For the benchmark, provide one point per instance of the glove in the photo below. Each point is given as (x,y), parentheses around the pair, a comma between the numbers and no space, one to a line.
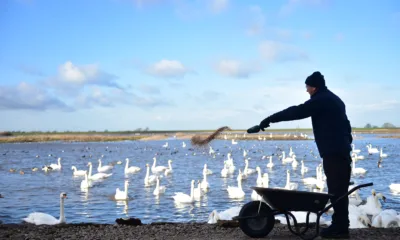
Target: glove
(254,129)
(265,123)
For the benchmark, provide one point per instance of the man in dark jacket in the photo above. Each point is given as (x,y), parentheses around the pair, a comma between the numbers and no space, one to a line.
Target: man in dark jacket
(332,132)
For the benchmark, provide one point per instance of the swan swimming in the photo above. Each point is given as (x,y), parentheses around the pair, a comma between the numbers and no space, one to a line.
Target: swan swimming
(78,172)
(131,169)
(39,218)
(122,195)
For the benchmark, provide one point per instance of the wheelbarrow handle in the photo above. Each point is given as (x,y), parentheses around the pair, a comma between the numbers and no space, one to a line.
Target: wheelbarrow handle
(347,194)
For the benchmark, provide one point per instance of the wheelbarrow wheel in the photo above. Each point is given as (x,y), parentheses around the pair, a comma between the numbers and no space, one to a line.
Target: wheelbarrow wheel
(260,226)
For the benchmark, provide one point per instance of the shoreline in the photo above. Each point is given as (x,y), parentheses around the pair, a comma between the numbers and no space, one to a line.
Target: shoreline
(165,231)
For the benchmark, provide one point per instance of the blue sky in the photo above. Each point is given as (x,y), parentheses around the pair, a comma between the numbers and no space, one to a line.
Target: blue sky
(201,64)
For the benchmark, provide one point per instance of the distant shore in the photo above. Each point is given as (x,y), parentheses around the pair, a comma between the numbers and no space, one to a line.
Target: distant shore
(270,134)
(165,231)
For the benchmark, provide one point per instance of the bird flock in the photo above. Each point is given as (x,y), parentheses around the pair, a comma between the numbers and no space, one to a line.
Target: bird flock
(363,212)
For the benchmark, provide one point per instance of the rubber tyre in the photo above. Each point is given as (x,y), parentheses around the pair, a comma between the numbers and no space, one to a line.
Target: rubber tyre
(256,227)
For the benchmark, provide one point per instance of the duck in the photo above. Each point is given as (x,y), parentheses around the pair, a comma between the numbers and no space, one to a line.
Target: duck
(39,218)
(131,169)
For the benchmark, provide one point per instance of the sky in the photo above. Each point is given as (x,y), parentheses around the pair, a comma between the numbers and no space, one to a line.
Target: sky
(82,65)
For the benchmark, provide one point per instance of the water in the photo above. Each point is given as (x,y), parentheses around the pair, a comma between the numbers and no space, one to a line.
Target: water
(39,191)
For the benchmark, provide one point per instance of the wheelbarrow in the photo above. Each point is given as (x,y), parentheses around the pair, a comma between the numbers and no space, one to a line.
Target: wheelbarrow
(257,218)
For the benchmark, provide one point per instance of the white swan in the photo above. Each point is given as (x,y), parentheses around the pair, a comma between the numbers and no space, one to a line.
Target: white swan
(149,180)
(395,187)
(312,180)
(357,170)
(131,169)
(227,214)
(289,185)
(295,163)
(386,219)
(197,191)
(356,200)
(286,159)
(157,169)
(247,170)
(354,150)
(204,183)
(101,168)
(159,189)
(270,164)
(169,170)
(303,168)
(236,192)
(259,183)
(291,153)
(165,145)
(356,157)
(183,144)
(97,176)
(206,170)
(372,150)
(234,142)
(381,154)
(86,183)
(122,195)
(373,206)
(224,171)
(56,166)
(39,218)
(78,172)
(184,198)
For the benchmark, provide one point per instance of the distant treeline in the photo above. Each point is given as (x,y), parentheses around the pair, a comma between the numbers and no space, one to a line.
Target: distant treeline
(385,126)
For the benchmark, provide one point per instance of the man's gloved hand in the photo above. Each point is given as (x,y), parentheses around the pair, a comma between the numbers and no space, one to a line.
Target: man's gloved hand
(265,123)
(254,129)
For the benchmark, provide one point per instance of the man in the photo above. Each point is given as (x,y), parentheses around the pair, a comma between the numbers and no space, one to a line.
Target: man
(332,132)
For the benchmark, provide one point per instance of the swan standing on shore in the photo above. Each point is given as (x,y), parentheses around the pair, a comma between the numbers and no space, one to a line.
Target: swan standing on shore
(39,218)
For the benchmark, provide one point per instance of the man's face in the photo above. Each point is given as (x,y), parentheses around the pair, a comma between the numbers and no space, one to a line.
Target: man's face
(311,90)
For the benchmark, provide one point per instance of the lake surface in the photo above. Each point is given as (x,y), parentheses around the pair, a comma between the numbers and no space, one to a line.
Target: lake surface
(39,191)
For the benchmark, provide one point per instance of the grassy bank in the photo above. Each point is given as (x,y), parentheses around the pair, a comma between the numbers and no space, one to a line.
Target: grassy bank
(68,138)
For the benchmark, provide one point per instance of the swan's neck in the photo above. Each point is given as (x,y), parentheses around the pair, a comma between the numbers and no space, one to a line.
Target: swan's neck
(169,165)
(59,162)
(205,176)
(283,155)
(240,184)
(62,217)
(270,160)
(154,162)
(127,164)
(192,192)
(158,184)
(246,167)
(259,174)
(90,170)
(287,179)
(126,189)
(147,172)
(377,203)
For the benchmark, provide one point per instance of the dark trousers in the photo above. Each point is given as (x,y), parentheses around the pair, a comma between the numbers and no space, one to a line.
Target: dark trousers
(338,172)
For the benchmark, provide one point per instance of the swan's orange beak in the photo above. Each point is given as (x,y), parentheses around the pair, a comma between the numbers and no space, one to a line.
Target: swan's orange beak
(65,196)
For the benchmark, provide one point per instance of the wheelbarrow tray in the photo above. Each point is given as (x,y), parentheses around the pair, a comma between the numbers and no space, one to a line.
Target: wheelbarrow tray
(284,200)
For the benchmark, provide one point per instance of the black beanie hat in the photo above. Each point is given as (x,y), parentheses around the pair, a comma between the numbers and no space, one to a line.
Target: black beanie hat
(316,80)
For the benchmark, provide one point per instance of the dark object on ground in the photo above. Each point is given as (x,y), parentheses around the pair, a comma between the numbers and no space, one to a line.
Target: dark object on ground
(257,219)
(197,140)
(192,231)
(129,221)
(5,134)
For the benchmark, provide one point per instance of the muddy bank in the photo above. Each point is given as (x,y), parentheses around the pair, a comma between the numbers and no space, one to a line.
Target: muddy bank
(162,231)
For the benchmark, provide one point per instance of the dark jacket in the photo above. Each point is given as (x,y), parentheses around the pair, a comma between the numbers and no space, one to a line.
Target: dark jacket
(332,130)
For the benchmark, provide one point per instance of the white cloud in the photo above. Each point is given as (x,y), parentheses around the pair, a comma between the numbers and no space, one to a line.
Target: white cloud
(71,78)
(234,68)
(168,69)
(27,96)
(219,5)
(281,52)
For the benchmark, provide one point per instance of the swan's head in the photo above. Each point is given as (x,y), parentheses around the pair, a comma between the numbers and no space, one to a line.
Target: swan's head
(265,175)
(192,183)
(364,220)
(246,161)
(99,160)
(205,165)
(380,195)
(73,168)
(373,192)
(288,171)
(89,164)
(63,195)
(170,161)
(126,159)
(258,169)
(213,217)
